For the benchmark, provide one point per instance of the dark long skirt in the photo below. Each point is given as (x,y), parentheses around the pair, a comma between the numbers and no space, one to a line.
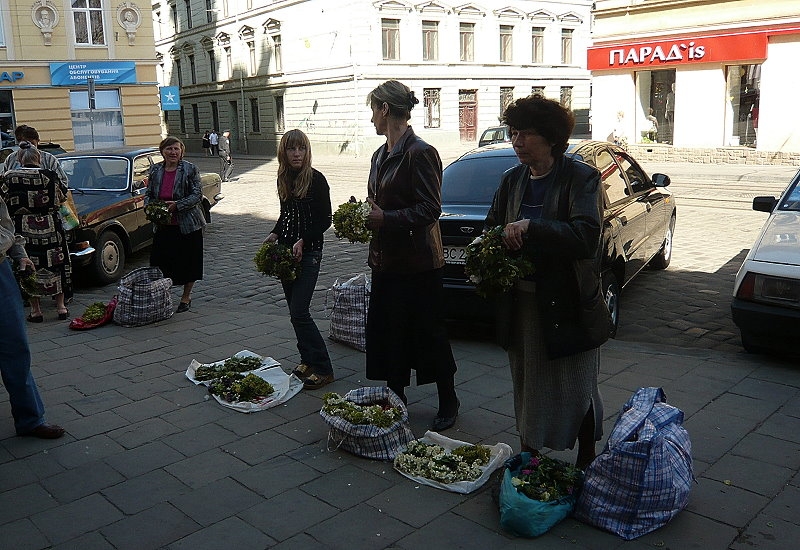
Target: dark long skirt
(179,256)
(406,329)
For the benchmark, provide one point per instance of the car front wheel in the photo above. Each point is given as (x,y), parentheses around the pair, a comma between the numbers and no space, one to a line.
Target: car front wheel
(109,258)
(611,295)
(662,259)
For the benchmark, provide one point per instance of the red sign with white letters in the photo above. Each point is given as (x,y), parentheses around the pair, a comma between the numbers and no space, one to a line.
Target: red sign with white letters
(679,51)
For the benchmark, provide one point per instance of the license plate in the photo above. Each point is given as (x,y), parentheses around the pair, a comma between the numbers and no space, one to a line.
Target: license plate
(455,254)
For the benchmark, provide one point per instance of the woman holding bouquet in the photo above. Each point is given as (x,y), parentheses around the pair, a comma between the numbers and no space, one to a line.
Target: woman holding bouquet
(305,215)
(178,244)
(551,209)
(405,323)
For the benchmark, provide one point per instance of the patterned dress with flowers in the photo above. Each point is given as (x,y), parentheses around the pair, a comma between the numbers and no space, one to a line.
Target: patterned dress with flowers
(33,199)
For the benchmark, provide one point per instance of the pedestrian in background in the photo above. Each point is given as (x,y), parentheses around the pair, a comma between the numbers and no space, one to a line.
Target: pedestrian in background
(213,140)
(305,215)
(207,143)
(405,321)
(15,354)
(225,158)
(34,195)
(178,245)
(551,208)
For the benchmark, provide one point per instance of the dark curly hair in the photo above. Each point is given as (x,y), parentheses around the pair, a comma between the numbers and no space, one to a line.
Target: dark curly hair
(546,117)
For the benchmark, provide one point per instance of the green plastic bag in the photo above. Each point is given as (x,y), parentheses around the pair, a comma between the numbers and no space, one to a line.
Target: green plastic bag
(522,515)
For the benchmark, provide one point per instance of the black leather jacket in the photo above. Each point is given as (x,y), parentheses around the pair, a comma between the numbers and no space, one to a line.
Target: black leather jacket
(406,183)
(565,246)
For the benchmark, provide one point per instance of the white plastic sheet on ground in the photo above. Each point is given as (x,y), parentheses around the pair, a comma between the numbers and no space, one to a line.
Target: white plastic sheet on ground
(500,453)
(286,385)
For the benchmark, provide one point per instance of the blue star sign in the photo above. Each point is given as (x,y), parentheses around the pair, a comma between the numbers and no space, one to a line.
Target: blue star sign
(170,98)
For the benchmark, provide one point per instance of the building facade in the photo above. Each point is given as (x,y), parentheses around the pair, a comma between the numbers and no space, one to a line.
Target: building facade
(698,74)
(259,67)
(52,51)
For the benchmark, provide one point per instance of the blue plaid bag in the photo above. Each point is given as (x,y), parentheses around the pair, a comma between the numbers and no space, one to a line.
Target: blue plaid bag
(642,478)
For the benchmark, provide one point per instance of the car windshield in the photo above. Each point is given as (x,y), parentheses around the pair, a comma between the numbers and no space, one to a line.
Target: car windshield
(792,201)
(474,181)
(96,173)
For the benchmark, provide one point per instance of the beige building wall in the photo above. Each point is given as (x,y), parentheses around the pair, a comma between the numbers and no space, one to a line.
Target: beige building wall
(30,47)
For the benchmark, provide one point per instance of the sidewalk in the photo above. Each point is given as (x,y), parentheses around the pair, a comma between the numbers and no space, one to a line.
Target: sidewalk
(149,461)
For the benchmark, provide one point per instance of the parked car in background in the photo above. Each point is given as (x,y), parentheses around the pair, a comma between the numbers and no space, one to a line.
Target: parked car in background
(52,148)
(766,292)
(495,134)
(638,222)
(108,186)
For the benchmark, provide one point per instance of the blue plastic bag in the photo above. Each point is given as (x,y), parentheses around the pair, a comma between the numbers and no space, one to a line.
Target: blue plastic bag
(522,515)
(643,477)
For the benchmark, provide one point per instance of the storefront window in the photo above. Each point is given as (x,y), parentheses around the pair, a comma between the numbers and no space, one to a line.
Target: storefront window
(744,83)
(102,126)
(657,102)
(7,118)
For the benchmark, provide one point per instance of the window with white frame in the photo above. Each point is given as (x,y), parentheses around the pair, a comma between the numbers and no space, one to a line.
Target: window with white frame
(178,71)
(280,122)
(173,9)
(537,43)
(566,46)
(430,40)
(87,17)
(228,62)
(432,105)
(210,11)
(2,31)
(506,43)
(212,63)
(100,127)
(390,38)
(251,49)
(277,52)
(467,41)
(537,90)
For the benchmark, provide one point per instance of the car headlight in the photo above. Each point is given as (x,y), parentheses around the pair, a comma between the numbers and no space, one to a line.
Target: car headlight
(781,291)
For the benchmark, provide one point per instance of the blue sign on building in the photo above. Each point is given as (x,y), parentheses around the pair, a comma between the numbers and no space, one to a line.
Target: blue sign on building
(75,73)
(170,98)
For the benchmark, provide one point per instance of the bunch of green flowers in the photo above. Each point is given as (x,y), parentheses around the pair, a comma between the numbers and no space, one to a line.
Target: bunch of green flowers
(435,463)
(350,221)
(158,212)
(277,260)
(94,312)
(234,364)
(546,479)
(377,414)
(235,387)
(492,267)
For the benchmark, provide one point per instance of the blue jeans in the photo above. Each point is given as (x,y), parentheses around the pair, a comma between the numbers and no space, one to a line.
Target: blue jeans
(15,356)
(310,344)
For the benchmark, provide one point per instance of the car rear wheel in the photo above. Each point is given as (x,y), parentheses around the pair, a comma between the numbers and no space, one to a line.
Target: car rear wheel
(109,258)
(748,345)
(662,259)
(611,295)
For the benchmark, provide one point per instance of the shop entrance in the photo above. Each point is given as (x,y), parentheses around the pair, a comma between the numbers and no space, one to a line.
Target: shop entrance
(662,101)
(741,125)
(7,118)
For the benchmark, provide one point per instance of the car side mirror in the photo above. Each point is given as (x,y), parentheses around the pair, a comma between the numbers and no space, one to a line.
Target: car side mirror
(764,203)
(660,180)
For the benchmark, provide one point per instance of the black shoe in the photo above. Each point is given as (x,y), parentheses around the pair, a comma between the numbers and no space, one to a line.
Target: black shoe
(444,422)
(184,306)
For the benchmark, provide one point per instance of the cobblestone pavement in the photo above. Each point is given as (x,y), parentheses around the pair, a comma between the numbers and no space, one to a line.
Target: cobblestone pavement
(150,462)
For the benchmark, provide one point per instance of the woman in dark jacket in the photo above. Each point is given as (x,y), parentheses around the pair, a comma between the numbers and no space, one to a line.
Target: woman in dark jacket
(305,215)
(551,210)
(405,324)
(178,245)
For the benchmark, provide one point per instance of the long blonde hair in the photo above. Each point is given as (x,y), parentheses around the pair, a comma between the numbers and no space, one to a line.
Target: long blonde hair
(291,183)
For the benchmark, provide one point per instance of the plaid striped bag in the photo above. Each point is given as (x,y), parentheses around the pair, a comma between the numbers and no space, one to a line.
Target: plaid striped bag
(349,313)
(365,439)
(144,298)
(643,477)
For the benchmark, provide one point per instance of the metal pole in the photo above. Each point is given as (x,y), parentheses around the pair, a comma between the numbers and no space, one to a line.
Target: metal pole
(90,94)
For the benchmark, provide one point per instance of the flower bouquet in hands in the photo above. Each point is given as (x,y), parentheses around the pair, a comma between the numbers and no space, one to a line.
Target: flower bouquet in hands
(536,493)
(492,267)
(277,260)
(158,212)
(350,221)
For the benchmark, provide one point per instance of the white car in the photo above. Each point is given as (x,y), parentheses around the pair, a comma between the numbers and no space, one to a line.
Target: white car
(766,294)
